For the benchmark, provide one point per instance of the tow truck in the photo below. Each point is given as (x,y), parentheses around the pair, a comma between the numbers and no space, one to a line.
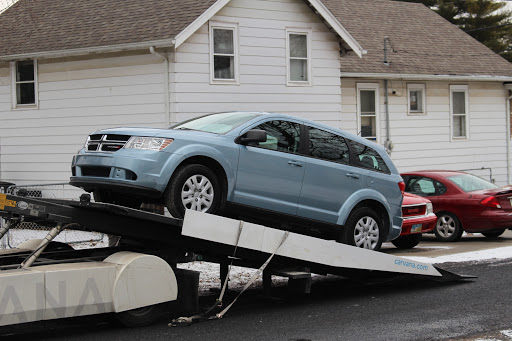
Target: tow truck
(44,279)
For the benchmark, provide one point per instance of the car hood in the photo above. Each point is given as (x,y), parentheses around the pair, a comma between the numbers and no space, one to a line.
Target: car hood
(412,199)
(153,132)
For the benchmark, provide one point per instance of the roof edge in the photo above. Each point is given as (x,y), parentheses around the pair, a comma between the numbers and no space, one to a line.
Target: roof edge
(90,50)
(200,21)
(338,27)
(486,78)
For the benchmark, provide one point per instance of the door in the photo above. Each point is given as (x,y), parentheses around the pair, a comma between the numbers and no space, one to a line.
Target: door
(270,173)
(329,179)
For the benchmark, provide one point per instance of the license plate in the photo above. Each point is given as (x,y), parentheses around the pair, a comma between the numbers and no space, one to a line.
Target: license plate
(416,228)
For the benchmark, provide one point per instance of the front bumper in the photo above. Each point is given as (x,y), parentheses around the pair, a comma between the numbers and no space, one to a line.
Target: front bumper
(421,224)
(146,172)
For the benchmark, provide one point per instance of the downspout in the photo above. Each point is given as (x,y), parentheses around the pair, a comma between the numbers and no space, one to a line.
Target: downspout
(167,121)
(508,88)
(388,144)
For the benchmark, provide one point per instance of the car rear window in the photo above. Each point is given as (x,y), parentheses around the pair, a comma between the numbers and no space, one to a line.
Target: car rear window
(470,183)
(367,157)
(216,123)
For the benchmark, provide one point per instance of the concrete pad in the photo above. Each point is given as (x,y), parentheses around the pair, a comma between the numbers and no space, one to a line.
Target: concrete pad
(431,247)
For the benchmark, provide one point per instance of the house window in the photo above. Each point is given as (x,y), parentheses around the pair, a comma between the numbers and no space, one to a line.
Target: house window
(368,110)
(416,99)
(459,111)
(24,83)
(299,58)
(224,53)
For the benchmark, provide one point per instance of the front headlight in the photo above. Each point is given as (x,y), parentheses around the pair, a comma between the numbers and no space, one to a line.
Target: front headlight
(147,143)
(430,208)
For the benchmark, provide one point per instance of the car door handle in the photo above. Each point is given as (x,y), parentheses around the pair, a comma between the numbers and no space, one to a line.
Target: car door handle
(352,176)
(295,163)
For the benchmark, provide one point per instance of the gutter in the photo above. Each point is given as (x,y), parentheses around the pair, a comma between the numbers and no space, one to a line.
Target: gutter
(166,85)
(427,77)
(90,50)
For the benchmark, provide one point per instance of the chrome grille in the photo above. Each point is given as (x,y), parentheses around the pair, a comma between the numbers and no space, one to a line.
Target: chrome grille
(106,142)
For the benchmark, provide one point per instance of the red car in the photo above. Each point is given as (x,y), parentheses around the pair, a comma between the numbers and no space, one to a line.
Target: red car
(463,202)
(418,218)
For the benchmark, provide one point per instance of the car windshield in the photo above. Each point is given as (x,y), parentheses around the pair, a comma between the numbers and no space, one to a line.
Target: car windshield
(216,123)
(470,183)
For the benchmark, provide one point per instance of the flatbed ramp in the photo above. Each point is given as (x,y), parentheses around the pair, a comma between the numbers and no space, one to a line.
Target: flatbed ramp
(38,284)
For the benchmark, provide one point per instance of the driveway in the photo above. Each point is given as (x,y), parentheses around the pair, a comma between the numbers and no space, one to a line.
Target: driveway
(431,247)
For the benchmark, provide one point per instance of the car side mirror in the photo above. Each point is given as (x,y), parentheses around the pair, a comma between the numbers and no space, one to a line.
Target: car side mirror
(252,136)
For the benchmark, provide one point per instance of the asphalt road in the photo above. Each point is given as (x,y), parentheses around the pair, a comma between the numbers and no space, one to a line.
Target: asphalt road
(336,309)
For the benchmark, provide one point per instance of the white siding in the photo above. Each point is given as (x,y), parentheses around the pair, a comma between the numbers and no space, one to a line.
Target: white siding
(423,141)
(262,36)
(80,95)
(76,97)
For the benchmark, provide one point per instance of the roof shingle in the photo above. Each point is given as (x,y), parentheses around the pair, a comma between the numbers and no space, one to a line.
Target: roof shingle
(425,43)
(31,26)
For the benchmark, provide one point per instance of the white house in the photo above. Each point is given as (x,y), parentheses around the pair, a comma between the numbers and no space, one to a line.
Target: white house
(68,68)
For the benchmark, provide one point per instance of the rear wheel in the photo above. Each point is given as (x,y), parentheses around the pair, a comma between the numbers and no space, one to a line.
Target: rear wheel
(493,234)
(194,187)
(448,227)
(364,229)
(407,241)
(141,316)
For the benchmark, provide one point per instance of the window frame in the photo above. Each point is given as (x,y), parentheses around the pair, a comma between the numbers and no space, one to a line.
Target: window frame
(224,26)
(307,33)
(464,89)
(416,87)
(376,88)
(14,87)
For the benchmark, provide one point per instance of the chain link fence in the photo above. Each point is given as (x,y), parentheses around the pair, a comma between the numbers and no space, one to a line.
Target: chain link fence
(29,230)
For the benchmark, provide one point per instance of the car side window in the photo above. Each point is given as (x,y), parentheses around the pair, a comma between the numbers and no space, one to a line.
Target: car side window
(367,157)
(327,146)
(282,136)
(441,189)
(421,186)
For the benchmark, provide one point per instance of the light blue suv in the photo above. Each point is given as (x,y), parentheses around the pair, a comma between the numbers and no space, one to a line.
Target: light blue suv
(273,169)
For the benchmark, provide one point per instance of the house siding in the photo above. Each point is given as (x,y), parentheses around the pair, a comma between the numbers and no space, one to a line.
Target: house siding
(82,94)
(424,142)
(262,53)
(76,97)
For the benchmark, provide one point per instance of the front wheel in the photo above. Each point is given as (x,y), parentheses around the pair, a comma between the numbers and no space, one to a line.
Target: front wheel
(364,229)
(408,241)
(448,227)
(194,187)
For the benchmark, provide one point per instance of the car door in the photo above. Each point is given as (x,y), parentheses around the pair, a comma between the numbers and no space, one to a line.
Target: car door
(270,173)
(329,179)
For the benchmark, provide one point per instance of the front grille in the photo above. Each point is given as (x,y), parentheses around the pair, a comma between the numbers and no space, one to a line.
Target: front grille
(106,142)
(414,211)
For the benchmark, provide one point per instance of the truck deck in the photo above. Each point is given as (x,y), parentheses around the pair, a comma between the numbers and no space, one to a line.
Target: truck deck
(149,238)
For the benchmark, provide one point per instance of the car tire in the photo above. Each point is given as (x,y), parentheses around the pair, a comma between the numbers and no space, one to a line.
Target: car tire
(493,234)
(363,229)
(408,241)
(448,227)
(141,316)
(193,187)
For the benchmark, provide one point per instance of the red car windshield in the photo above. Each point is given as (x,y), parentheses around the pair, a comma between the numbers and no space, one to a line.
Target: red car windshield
(470,183)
